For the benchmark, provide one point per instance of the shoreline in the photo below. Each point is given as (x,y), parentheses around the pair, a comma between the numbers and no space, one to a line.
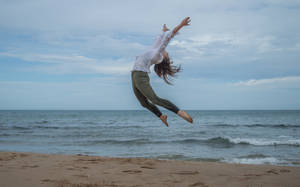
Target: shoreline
(36,169)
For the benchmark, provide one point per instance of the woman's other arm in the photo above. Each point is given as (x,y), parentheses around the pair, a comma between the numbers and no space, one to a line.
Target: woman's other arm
(165,28)
(158,39)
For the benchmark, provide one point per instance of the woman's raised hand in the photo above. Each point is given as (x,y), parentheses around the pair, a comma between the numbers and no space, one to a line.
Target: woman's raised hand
(165,28)
(186,21)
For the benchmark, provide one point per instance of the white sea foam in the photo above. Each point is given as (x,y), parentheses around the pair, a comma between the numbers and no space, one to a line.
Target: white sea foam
(266,160)
(264,142)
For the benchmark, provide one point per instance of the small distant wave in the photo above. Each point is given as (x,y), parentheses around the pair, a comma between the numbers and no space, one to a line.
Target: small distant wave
(265,142)
(32,127)
(45,125)
(115,141)
(89,122)
(240,141)
(5,135)
(184,157)
(19,128)
(255,156)
(274,125)
(128,127)
(215,140)
(257,125)
(42,122)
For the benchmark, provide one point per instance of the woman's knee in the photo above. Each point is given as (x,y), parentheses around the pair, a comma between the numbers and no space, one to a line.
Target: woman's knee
(144,104)
(156,100)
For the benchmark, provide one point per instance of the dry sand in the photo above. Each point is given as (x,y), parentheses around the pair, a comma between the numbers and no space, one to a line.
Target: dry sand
(31,169)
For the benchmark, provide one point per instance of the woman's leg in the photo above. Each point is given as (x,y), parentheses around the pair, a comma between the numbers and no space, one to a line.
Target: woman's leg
(142,83)
(145,103)
(141,98)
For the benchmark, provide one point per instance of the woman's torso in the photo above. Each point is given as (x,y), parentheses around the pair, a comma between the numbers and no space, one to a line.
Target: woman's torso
(154,55)
(144,61)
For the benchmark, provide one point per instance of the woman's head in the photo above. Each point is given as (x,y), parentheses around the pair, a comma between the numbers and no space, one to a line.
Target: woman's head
(165,69)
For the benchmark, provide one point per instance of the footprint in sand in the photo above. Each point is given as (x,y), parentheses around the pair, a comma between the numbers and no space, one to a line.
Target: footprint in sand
(83,176)
(147,167)
(46,180)
(132,171)
(90,160)
(273,171)
(23,155)
(126,161)
(29,166)
(70,168)
(8,156)
(186,173)
(252,175)
(284,171)
(149,163)
(201,184)
(43,156)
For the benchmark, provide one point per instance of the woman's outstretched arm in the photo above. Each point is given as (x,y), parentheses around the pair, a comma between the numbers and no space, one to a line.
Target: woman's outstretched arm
(185,22)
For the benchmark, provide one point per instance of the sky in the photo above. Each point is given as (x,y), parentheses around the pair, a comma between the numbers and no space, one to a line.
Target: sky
(75,54)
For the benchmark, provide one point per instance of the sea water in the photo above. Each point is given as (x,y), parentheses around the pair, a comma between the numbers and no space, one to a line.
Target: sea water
(252,137)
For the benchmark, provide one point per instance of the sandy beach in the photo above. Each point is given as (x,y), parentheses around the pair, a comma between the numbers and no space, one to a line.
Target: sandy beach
(32,169)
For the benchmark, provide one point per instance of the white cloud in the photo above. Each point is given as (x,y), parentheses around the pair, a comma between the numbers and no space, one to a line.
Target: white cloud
(207,44)
(103,43)
(227,44)
(276,80)
(72,64)
(212,38)
(265,44)
(50,58)
(110,45)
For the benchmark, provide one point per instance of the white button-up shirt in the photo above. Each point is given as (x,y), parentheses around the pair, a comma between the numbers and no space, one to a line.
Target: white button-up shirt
(154,55)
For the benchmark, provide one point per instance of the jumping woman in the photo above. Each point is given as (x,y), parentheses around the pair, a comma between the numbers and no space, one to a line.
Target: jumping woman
(140,80)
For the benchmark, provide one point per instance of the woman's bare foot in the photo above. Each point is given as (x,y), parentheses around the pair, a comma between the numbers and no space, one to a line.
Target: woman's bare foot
(163,118)
(185,116)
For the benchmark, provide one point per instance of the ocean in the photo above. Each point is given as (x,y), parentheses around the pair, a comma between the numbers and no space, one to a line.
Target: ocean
(233,136)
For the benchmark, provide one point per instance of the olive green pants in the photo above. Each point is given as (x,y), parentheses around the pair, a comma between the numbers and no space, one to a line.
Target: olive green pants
(144,93)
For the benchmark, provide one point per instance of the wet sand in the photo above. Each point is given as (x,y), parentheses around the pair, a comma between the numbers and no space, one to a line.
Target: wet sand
(31,169)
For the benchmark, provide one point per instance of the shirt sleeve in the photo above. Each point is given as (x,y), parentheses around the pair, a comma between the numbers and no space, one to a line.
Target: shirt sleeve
(165,40)
(159,45)
(157,41)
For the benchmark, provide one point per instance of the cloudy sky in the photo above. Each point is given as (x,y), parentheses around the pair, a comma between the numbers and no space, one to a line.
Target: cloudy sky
(75,54)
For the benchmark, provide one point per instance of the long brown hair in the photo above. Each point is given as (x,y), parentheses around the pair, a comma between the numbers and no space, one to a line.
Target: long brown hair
(165,70)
